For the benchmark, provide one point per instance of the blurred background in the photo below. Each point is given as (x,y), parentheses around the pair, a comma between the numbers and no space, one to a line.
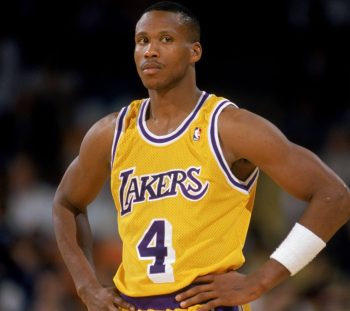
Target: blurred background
(65,64)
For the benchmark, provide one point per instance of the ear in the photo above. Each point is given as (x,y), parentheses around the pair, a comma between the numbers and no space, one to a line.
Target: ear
(196,52)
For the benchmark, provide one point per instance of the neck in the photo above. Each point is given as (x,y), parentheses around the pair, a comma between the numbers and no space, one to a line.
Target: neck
(172,103)
(167,110)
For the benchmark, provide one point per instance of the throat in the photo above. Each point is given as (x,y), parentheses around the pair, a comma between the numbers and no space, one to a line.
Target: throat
(162,127)
(164,123)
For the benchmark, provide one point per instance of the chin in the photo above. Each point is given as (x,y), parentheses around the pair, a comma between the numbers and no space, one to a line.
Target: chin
(152,85)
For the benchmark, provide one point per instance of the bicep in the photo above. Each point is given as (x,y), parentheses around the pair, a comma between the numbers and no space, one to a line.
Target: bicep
(88,172)
(80,184)
(295,169)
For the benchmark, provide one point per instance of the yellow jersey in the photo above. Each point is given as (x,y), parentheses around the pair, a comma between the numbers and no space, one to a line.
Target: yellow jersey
(181,211)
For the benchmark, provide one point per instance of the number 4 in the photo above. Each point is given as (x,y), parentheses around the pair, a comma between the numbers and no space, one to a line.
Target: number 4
(156,245)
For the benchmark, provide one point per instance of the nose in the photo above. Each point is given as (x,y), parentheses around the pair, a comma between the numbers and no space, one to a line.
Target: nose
(151,51)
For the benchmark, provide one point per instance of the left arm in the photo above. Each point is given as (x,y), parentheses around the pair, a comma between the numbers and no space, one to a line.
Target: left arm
(295,169)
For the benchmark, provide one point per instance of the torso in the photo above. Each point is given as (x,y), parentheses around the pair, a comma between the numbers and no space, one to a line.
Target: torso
(179,187)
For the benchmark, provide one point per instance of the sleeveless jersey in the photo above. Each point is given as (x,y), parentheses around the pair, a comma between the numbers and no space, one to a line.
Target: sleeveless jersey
(181,211)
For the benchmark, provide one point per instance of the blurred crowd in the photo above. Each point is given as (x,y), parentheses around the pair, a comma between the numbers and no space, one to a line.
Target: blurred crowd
(63,66)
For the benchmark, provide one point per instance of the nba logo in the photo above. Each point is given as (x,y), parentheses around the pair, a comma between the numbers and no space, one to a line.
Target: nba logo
(197,134)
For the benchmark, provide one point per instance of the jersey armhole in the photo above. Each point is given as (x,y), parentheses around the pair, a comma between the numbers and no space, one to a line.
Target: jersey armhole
(118,130)
(244,186)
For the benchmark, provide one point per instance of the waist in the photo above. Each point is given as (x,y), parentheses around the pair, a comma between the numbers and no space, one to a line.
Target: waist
(163,302)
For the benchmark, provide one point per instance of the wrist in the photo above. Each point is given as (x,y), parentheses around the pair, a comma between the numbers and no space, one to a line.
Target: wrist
(299,248)
(84,289)
(269,275)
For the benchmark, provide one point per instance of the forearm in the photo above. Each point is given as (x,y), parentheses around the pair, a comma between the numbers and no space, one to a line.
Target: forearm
(327,212)
(74,241)
(322,219)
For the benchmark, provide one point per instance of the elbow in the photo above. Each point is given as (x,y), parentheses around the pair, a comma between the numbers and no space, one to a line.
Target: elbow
(61,203)
(57,212)
(347,201)
(342,200)
(57,206)
(55,209)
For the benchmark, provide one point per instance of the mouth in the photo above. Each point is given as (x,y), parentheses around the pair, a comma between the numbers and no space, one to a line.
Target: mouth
(151,67)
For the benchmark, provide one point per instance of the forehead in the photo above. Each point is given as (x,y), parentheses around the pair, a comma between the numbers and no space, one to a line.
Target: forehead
(160,21)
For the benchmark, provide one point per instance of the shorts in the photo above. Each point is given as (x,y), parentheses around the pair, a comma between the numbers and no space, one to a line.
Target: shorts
(168,302)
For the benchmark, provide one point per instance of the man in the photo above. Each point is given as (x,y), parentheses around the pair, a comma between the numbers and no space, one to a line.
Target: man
(183,166)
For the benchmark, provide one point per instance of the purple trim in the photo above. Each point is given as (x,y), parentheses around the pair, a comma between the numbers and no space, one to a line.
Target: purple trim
(234,308)
(119,127)
(163,302)
(153,302)
(222,162)
(178,132)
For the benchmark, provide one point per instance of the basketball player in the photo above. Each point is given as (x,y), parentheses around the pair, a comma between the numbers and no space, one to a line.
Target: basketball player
(184,166)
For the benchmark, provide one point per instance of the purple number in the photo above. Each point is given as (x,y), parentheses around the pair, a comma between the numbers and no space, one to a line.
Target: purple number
(156,234)
(156,245)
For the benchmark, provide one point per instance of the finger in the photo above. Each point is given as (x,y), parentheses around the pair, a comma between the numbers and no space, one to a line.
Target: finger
(124,304)
(197,299)
(193,291)
(205,278)
(210,305)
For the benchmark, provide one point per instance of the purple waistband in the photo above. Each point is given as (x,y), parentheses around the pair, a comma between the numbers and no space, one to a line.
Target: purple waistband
(163,302)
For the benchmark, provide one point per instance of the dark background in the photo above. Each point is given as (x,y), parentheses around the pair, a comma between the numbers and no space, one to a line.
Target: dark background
(291,53)
(64,64)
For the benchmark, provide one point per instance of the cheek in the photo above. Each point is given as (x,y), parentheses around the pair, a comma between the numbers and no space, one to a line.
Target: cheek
(138,54)
(182,60)
(185,56)
(137,62)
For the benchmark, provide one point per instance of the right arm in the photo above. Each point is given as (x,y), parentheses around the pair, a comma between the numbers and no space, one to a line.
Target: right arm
(79,186)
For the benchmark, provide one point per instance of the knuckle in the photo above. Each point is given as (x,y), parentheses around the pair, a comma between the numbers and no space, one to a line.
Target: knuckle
(211,305)
(202,295)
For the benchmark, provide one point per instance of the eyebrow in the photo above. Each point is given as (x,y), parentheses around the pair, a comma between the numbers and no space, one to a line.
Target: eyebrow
(164,32)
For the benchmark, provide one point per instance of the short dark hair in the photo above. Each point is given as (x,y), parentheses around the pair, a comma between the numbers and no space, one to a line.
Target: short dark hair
(187,15)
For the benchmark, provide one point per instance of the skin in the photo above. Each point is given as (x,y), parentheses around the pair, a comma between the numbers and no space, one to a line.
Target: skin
(165,60)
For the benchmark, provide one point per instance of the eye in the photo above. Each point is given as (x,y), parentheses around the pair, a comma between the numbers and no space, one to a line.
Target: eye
(166,39)
(141,40)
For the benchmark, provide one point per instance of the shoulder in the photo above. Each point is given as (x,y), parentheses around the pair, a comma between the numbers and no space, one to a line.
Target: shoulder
(99,138)
(238,120)
(234,121)
(102,132)
(103,128)
(247,134)
(234,114)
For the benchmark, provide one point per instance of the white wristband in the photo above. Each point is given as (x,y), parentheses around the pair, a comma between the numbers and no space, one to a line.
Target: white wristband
(298,249)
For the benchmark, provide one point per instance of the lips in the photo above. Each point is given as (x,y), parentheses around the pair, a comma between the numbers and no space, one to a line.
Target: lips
(151,66)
